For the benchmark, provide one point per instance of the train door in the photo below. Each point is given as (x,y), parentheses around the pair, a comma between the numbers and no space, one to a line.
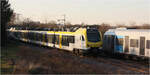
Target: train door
(46,39)
(112,42)
(148,48)
(142,45)
(54,39)
(109,43)
(126,44)
(119,44)
(79,41)
(105,42)
(82,41)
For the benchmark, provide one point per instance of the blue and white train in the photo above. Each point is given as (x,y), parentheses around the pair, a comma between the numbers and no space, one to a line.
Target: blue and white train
(127,41)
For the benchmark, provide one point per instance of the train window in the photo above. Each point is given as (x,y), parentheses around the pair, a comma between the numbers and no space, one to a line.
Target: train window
(148,44)
(37,37)
(50,38)
(57,39)
(43,37)
(105,41)
(71,39)
(22,35)
(93,35)
(40,37)
(119,41)
(31,36)
(15,34)
(111,41)
(65,40)
(34,36)
(18,35)
(134,43)
(82,38)
(46,39)
(28,35)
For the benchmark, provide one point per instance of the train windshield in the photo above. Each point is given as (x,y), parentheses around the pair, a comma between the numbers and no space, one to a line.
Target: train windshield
(93,35)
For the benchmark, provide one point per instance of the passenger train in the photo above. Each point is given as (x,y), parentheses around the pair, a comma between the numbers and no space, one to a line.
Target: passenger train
(134,42)
(78,41)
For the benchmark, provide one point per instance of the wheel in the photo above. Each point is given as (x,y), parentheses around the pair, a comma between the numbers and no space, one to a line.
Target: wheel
(134,58)
(126,56)
(139,59)
(76,51)
(80,52)
(73,51)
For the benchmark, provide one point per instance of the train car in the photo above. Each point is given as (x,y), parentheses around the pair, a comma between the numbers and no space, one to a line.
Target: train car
(127,41)
(79,41)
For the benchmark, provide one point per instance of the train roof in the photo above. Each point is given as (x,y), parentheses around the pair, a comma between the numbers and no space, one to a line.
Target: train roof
(119,30)
(77,31)
(129,30)
(71,29)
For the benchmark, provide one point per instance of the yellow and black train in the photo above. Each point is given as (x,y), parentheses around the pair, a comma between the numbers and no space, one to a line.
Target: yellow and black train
(80,40)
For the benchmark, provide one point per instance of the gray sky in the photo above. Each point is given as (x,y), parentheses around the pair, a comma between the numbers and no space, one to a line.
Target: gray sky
(87,11)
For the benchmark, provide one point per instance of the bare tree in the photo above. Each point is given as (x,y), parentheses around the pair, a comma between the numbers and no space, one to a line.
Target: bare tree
(104,27)
(68,23)
(12,19)
(52,22)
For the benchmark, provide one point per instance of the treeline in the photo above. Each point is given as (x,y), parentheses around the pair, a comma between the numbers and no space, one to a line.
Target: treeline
(52,24)
(28,24)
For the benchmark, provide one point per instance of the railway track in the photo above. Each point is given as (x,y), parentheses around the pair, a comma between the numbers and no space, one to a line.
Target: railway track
(122,63)
(125,65)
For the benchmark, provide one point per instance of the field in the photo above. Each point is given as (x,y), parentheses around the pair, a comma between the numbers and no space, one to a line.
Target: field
(23,58)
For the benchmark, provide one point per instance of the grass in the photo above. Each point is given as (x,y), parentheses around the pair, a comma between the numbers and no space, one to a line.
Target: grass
(33,60)
(8,55)
(30,59)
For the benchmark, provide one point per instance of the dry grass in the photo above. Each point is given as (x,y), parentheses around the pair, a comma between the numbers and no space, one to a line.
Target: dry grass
(51,62)
(36,60)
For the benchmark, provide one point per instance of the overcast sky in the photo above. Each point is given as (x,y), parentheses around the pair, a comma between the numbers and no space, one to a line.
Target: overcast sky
(87,11)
